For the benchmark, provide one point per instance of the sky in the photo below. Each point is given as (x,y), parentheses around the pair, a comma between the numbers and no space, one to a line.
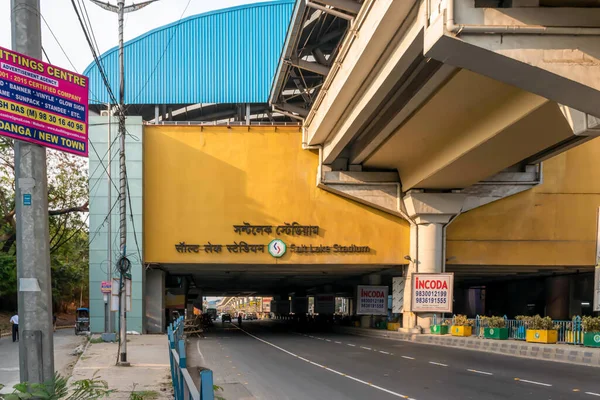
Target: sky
(62,20)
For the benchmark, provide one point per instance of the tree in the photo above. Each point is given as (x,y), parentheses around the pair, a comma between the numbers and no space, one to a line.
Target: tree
(68,203)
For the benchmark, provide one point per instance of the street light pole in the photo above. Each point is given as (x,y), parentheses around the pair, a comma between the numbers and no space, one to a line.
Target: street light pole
(123,263)
(36,346)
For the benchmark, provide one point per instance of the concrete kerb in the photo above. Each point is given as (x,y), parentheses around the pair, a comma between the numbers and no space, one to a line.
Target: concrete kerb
(548,352)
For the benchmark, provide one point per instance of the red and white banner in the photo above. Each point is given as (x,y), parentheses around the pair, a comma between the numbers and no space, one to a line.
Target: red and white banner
(432,293)
(372,300)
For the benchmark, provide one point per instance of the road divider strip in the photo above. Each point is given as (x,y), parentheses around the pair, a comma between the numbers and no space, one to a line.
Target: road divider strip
(327,368)
(593,394)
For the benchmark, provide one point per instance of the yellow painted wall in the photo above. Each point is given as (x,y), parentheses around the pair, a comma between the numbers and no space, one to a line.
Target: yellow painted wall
(552,224)
(199,182)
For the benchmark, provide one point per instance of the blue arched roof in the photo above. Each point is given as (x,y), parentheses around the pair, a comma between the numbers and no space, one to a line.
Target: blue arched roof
(223,56)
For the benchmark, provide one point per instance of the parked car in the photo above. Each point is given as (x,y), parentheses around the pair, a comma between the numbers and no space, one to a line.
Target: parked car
(226,317)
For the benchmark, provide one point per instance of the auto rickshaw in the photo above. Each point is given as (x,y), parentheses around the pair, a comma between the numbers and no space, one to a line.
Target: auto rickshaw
(82,320)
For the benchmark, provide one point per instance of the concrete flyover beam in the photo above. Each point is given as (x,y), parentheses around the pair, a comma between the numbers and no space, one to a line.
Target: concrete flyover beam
(405,60)
(552,52)
(371,34)
(380,190)
(467,132)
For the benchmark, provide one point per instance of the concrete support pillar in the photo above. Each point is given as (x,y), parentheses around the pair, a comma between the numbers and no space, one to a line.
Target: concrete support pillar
(558,295)
(155,301)
(430,213)
(431,247)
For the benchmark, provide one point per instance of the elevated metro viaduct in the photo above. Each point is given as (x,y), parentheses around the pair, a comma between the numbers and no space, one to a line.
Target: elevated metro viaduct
(437,148)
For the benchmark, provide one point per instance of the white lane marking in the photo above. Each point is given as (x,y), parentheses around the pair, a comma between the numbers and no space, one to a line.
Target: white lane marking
(199,352)
(327,368)
(366,348)
(533,382)
(384,352)
(408,358)
(9,369)
(436,363)
(312,337)
(593,394)
(327,340)
(338,342)
(320,338)
(351,345)
(479,372)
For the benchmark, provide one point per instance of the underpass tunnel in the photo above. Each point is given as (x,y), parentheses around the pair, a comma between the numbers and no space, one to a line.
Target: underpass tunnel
(284,292)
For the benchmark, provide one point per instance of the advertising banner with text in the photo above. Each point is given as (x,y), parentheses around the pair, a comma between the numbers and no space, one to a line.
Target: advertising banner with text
(372,300)
(43,104)
(432,293)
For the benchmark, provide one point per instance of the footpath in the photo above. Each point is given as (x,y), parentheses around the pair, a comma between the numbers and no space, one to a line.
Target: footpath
(149,375)
(564,353)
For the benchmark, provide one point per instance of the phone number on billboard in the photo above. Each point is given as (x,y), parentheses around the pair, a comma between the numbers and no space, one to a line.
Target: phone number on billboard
(430,300)
(431,293)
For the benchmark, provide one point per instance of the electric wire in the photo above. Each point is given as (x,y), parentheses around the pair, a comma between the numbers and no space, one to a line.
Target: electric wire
(176,28)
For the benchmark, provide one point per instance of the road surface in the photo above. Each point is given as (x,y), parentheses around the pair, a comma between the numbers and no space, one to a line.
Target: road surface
(64,342)
(265,360)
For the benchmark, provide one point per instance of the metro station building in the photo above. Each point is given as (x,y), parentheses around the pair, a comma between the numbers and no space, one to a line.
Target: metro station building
(298,148)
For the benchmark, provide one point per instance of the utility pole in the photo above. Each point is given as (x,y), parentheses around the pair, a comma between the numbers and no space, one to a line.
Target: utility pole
(108,328)
(123,263)
(36,346)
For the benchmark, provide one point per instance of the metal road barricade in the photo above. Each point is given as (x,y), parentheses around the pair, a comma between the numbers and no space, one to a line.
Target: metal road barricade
(569,332)
(183,385)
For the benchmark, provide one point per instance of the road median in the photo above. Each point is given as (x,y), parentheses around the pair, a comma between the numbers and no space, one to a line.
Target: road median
(564,353)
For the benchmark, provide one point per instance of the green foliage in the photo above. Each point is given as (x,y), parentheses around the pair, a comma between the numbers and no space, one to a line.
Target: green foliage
(8,275)
(142,394)
(537,323)
(591,324)
(216,389)
(494,322)
(57,389)
(462,320)
(67,203)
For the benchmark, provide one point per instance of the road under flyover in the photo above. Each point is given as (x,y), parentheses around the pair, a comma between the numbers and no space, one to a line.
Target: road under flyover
(272,360)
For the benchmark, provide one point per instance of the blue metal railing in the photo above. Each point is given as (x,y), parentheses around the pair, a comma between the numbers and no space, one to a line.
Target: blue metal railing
(183,385)
(569,332)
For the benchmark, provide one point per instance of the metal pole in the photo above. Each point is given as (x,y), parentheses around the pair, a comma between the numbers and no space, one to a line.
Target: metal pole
(109,314)
(36,347)
(122,263)
(122,189)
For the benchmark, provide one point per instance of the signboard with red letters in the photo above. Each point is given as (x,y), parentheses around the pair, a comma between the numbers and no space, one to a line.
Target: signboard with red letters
(372,300)
(432,292)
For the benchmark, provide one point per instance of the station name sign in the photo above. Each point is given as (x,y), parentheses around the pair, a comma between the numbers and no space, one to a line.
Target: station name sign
(277,247)
(293,229)
(243,247)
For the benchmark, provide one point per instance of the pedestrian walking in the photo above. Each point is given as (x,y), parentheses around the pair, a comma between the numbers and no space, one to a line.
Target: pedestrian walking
(14,320)
(54,322)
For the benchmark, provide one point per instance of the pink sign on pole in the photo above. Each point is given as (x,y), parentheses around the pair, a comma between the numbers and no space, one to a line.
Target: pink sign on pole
(43,104)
